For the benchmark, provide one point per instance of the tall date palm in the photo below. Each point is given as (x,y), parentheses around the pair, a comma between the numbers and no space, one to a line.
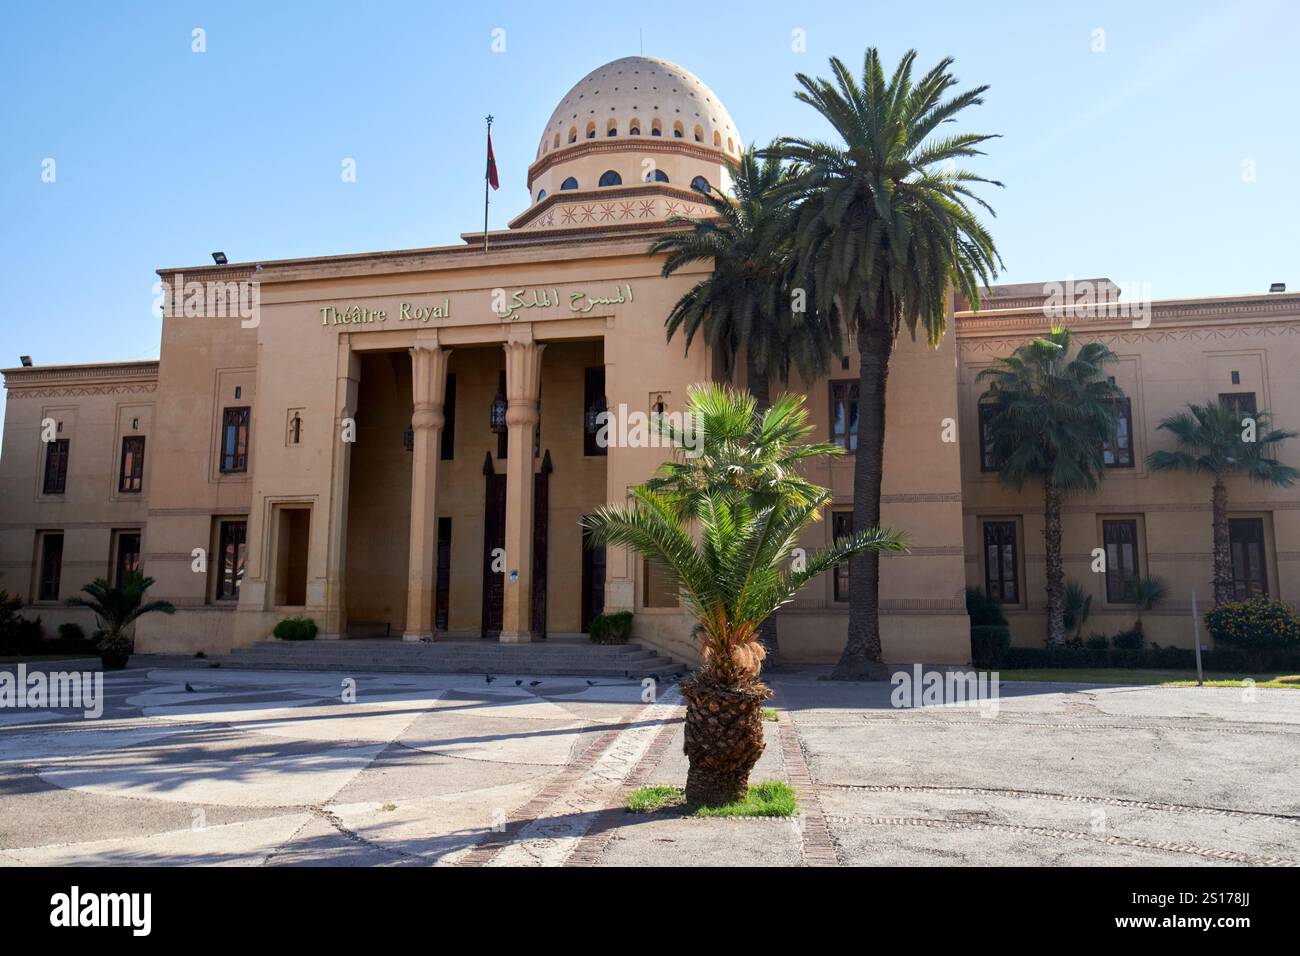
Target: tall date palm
(886,226)
(1053,410)
(1212,441)
(747,302)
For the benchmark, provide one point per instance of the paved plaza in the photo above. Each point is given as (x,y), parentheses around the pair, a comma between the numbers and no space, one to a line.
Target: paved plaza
(279,769)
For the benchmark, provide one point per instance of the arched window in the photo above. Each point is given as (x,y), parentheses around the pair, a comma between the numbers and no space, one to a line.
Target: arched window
(610,178)
(717,139)
(635,128)
(655,128)
(612,129)
(700,185)
(678,132)
(699,133)
(541,195)
(569,183)
(591,131)
(656,176)
(573,134)
(730,147)
(556,145)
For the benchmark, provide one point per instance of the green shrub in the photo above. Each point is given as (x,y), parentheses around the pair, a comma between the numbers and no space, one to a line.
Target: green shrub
(1078,606)
(19,636)
(989,644)
(10,623)
(296,629)
(71,640)
(1130,640)
(983,609)
(1257,624)
(1097,642)
(1227,660)
(613,628)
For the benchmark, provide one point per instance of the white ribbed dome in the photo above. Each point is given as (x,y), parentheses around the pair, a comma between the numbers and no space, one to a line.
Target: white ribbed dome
(640,93)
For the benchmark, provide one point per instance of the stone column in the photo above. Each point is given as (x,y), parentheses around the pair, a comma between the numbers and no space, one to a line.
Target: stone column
(347,380)
(523,381)
(428,391)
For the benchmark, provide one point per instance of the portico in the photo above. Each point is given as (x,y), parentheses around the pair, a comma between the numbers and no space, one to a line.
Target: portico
(476,514)
(429,370)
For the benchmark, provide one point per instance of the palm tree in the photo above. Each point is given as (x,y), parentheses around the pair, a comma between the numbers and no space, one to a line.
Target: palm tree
(1147,593)
(885,229)
(739,450)
(1078,608)
(1053,411)
(1212,441)
(748,299)
(732,562)
(116,609)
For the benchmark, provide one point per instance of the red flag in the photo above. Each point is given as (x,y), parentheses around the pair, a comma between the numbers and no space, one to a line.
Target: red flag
(492,165)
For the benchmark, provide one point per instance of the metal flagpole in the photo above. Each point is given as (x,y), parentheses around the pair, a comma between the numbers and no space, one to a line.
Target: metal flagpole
(487,175)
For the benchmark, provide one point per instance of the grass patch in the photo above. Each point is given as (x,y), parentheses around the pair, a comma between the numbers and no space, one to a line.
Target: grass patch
(650,799)
(769,713)
(771,798)
(1149,678)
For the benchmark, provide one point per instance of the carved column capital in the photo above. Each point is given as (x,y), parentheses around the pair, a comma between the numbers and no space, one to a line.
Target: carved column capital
(428,385)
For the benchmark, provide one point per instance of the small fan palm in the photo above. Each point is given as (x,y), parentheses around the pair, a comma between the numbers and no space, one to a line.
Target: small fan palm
(727,531)
(1214,442)
(1147,593)
(739,449)
(116,608)
(1078,608)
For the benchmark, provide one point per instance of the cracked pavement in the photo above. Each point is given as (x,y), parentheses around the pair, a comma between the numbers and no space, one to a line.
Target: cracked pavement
(275,768)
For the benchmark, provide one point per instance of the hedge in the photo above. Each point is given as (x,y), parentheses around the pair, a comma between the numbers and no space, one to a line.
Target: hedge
(1159,658)
(989,644)
(613,628)
(296,629)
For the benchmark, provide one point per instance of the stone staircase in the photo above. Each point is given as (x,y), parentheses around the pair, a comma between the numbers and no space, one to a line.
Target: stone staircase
(457,657)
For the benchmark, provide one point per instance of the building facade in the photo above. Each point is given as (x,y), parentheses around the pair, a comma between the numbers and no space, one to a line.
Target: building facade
(401,444)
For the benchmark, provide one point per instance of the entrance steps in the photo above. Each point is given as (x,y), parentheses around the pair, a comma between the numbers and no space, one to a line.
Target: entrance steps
(457,657)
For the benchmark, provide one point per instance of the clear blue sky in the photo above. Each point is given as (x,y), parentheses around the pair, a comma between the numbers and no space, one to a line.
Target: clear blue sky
(1126,163)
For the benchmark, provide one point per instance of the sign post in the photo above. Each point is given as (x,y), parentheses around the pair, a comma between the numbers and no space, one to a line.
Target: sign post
(1196,630)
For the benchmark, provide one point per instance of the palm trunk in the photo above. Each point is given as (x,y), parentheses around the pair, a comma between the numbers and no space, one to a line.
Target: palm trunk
(1055,566)
(1222,545)
(862,658)
(724,738)
(760,388)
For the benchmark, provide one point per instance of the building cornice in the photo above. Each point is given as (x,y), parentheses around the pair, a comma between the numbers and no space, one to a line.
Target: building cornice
(505,248)
(625,144)
(91,379)
(633,191)
(1272,307)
